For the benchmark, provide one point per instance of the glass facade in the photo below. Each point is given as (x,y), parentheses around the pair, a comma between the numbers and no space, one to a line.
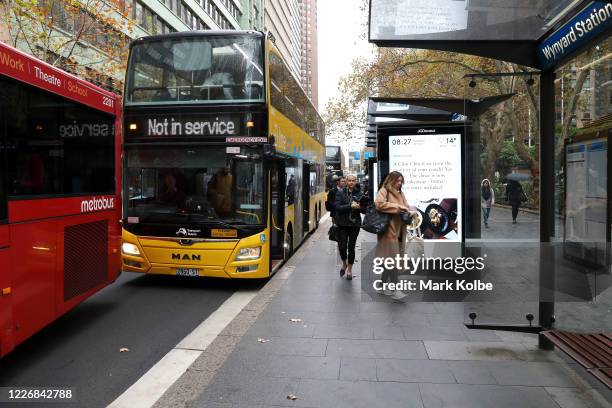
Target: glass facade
(583,124)
(153,23)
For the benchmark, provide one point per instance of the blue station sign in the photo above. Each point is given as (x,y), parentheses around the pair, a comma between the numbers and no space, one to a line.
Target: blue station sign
(595,19)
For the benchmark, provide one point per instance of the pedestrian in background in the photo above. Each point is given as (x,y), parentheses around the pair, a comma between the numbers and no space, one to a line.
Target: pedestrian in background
(515,195)
(339,182)
(391,200)
(487,199)
(348,218)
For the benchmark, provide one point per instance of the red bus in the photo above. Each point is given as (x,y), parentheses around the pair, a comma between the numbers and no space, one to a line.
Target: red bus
(60,192)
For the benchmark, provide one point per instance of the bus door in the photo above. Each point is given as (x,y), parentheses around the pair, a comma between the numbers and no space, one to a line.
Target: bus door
(298,206)
(306,167)
(277,208)
(293,204)
(244,170)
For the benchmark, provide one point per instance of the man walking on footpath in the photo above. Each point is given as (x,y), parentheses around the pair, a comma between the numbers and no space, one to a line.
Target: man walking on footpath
(338,183)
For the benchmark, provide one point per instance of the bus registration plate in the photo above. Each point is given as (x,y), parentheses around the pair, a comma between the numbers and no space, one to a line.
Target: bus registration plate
(187,272)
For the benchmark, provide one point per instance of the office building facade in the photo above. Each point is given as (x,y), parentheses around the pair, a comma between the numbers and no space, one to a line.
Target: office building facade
(310,71)
(282,19)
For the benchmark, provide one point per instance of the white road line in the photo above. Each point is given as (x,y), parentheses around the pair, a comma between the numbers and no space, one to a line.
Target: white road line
(151,386)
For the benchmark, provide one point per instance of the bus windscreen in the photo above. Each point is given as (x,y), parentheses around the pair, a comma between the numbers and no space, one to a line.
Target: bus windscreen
(207,69)
(195,184)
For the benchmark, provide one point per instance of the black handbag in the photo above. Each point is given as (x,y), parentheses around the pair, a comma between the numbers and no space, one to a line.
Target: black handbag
(333,233)
(375,222)
(405,217)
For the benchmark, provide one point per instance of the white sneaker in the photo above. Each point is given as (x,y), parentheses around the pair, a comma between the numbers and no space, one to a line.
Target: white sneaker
(398,295)
(388,292)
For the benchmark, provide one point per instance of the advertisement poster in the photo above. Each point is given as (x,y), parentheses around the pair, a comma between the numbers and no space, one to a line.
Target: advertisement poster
(431,165)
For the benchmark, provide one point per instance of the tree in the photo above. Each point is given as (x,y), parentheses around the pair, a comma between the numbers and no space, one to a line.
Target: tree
(428,73)
(85,37)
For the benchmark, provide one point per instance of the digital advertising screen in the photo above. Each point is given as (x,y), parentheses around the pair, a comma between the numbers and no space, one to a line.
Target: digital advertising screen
(431,166)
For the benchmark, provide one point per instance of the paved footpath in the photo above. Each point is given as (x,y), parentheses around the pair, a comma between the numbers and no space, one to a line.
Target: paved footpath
(344,350)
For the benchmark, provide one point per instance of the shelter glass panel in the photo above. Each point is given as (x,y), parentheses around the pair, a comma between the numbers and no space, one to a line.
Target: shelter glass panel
(464,20)
(502,195)
(583,113)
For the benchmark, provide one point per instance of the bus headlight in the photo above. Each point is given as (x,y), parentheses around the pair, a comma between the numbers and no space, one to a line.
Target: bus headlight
(130,249)
(248,254)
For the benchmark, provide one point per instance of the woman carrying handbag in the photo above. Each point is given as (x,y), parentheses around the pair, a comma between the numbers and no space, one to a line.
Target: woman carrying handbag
(391,200)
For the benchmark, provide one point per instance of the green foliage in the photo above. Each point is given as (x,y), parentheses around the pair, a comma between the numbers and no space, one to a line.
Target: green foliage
(84,37)
(507,158)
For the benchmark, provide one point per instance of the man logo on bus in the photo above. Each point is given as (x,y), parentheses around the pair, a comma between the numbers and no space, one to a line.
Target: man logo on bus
(186,257)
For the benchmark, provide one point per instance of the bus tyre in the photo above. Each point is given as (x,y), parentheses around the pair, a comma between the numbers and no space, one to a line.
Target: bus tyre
(316,219)
(288,243)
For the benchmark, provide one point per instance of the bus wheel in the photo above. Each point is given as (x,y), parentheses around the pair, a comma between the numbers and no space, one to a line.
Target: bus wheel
(288,242)
(316,219)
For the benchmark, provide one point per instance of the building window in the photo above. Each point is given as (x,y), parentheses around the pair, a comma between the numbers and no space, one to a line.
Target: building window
(139,16)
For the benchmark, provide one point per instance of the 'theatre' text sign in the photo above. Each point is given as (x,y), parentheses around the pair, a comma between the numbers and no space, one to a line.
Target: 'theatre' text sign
(22,67)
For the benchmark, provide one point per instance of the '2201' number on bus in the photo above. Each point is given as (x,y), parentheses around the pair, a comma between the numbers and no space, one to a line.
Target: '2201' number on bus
(106,101)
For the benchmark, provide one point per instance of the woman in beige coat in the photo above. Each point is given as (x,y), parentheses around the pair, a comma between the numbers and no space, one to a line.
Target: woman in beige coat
(391,200)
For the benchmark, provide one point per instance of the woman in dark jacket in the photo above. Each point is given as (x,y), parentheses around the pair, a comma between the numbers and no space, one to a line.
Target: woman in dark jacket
(348,218)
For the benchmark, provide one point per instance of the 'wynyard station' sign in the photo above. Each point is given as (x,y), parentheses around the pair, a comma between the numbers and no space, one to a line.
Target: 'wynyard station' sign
(589,23)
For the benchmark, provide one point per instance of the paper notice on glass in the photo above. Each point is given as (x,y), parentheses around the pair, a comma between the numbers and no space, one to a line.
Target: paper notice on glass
(415,17)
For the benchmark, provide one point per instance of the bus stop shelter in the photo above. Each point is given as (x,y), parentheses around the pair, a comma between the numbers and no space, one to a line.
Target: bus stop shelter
(565,44)
(389,116)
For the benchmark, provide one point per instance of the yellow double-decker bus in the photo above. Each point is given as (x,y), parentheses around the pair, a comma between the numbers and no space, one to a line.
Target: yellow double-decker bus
(223,156)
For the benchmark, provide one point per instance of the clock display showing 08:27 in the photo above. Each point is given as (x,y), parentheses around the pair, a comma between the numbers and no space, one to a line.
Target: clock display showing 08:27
(397,142)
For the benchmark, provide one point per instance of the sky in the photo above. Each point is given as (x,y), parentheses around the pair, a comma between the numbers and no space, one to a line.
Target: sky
(340,31)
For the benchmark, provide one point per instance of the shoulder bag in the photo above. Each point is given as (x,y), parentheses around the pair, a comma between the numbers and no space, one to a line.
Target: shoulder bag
(333,233)
(375,222)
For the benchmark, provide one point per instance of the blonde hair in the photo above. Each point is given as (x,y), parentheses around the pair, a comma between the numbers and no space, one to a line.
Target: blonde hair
(351,176)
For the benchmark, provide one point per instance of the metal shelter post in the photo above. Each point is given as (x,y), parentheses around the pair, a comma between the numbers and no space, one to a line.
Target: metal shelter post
(546,307)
